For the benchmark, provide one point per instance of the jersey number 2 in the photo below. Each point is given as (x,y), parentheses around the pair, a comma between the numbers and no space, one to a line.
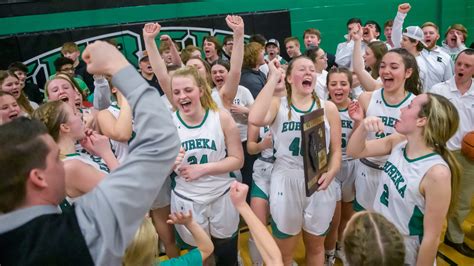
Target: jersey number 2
(193,159)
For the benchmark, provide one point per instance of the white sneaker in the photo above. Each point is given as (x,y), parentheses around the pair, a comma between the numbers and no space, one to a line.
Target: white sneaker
(240,261)
(340,255)
(329,260)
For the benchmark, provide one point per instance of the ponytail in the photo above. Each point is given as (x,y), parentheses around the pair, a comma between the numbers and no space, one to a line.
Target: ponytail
(442,114)
(455,168)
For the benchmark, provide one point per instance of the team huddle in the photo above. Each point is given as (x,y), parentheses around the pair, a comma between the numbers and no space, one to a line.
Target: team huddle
(172,150)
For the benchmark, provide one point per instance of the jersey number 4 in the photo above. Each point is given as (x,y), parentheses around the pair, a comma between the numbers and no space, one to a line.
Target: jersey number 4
(295,147)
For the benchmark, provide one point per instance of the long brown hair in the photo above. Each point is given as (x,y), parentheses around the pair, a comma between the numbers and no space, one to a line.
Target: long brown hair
(442,114)
(379,49)
(412,83)
(22,100)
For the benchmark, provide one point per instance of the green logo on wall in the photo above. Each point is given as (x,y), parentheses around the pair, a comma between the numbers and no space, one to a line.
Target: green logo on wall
(42,66)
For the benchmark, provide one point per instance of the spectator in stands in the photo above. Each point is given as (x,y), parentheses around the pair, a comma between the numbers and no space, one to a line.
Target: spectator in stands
(292,45)
(31,89)
(71,51)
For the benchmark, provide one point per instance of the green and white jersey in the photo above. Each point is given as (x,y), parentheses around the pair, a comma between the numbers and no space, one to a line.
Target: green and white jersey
(287,135)
(264,131)
(347,125)
(203,143)
(389,115)
(398,195)
(120,148)
(89,159)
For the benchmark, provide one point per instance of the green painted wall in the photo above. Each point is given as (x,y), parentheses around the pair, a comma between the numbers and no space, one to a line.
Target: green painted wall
(329,16)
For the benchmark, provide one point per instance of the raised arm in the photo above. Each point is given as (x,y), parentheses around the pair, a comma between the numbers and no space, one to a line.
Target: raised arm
(110,214)
(397,28)
(101,93)
(175,58)
(344,53)
(119,129)
(360,147)
(366,80)
(229,90)
(265,107)
(263,240)
(150,31)
(436,187)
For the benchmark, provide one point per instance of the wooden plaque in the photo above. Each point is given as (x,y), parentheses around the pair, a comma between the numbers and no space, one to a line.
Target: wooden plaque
(315,156)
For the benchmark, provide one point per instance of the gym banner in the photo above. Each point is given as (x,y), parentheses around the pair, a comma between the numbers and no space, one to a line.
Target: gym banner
(39,50)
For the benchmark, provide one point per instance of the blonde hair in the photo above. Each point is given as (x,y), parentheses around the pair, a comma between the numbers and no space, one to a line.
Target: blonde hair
(186,53)
(442,114)
(251,54)
(206,100)
(65,77)
(52,114)
(144,246)
(459,27)
(370,239)
(288,85)
(69,47)
(22,100)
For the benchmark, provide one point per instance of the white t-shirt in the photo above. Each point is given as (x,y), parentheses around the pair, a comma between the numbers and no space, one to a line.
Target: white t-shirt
(439,67)
(321,89)
(465,106)
(243,98)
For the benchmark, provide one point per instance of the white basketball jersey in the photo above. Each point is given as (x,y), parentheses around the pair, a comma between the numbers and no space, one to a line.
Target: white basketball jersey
(287,135)
(347,125)
(203,144)
(398,195)
(264,131)
(120,148)
(94,161)
(389,115)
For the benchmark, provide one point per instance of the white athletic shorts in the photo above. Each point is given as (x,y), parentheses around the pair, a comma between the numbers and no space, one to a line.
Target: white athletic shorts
(262,172)
(366,184)
(163,198)
(219,218)
(345,179)
(412,247)
(292,211)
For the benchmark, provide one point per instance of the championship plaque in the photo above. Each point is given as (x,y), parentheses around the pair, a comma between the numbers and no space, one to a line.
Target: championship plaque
(314,149)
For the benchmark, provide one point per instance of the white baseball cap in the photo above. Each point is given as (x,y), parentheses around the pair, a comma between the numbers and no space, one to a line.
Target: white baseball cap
(416,33)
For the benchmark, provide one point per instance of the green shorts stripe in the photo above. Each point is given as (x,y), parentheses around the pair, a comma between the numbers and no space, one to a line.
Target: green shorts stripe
(256,192)
(277,233)
(356,206)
